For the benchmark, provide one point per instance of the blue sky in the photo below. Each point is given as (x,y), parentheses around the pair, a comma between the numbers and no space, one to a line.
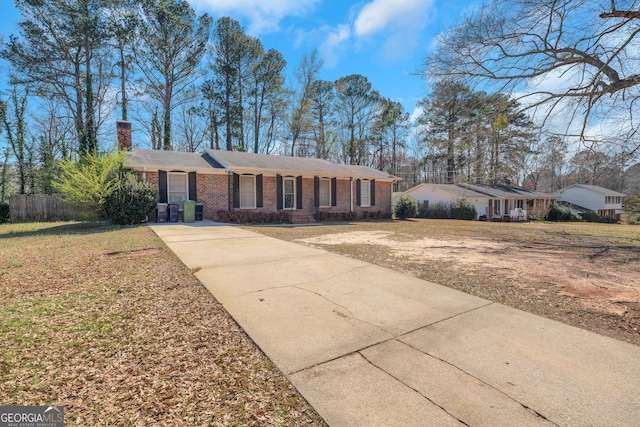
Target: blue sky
(385,40)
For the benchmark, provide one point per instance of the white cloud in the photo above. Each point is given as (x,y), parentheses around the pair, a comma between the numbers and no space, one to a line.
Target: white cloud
(397,24)
(264,16)
(416,113)
(380,14)
(333,44)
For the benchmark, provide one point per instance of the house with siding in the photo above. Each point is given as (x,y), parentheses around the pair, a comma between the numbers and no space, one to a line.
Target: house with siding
(447,194)
(230,180)
(492,202)
(581,198)
(512,202)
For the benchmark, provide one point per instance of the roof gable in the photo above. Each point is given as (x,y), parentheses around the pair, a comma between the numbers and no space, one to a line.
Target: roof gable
(596,189)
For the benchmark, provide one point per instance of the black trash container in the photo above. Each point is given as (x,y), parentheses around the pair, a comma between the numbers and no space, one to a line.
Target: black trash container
(199,211)
(174,210)
(161,212)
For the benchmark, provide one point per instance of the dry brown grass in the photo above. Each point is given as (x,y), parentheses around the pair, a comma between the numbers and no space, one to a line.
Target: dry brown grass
(582,274)
(107,322)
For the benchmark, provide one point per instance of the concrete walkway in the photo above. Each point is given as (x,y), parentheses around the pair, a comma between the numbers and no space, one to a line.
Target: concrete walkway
(367,346)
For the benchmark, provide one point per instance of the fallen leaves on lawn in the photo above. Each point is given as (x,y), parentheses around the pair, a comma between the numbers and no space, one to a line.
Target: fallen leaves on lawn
(109,324)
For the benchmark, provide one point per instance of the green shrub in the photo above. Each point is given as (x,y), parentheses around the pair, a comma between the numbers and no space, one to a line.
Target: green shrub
(325,216)
(463,210)
(87,181)
(406,207)
(244,217)
(631,208)
(591,216)
(131,200)
(4,213)
(438,210)
(559,213)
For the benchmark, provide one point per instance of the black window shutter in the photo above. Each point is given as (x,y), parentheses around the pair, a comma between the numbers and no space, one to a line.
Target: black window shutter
(236,190)
(259,198)
(193,193)
(279,191)
(357,192)
(316,191)
(162,186)
(334,192)
(299,192)
(372,184)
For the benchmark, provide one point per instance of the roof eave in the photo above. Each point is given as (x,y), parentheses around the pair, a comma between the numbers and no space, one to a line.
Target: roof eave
(306,173)
(156,168)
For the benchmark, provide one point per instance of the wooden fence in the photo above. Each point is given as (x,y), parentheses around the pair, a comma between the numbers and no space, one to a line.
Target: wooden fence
(39,207)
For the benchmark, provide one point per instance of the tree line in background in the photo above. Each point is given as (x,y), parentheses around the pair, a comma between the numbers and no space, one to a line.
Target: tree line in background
(188,83)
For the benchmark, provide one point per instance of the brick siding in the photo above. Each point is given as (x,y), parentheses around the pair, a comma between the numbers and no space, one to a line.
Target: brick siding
(213,192)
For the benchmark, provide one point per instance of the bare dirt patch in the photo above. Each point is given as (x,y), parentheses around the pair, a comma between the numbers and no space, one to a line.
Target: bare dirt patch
(586,275)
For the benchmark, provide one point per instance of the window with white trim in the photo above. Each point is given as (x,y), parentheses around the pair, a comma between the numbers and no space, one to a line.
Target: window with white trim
(289,193)
(496,207)
(247,192)
(365,193)
(177,187)
(325,193)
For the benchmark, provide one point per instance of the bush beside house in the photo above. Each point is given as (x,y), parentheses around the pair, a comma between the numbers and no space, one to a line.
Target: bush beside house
(131,201)
(324,216)
(249,217)
(631,209)
(559,213)
(463,210)
(4,212)
(405,207)
(439,210)
(96,183)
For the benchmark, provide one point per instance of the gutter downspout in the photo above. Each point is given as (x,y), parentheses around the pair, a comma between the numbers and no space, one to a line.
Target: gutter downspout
(230,206)
(351,194)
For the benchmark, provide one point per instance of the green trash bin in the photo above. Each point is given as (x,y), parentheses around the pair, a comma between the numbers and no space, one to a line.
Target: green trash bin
(189,211)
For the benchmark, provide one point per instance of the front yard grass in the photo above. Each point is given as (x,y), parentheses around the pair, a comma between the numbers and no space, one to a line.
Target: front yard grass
(107,322)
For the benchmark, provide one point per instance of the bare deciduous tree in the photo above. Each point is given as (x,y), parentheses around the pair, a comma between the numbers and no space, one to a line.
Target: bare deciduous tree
(300,121)
(556,55)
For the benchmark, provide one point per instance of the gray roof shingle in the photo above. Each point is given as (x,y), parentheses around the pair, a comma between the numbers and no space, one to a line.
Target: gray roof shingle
(152,160)
(507,191)
(212,161)
(246,162)
(597,189)
(451,189)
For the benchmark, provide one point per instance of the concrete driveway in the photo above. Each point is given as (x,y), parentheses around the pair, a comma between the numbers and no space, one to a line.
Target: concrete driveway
(368,346)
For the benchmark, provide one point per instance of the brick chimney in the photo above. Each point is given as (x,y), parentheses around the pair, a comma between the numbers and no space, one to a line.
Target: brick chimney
(124,135)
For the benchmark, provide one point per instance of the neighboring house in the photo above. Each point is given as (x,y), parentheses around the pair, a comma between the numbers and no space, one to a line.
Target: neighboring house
(491,202)
(512,202)
(581,198)
(231,180)
(447,194)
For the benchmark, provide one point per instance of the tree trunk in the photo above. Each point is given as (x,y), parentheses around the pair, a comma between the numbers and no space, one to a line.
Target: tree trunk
(123,80)
(79,104)
(166,119)
(90,144)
